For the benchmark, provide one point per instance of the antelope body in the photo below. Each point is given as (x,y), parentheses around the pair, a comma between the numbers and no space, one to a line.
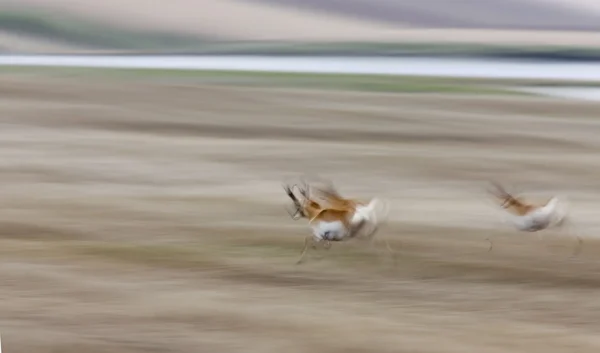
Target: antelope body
(540,217)
(327,224)
(365,214)
(531,217)
(335,219)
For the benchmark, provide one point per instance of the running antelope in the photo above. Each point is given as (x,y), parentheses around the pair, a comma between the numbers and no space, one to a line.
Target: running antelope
(337,222)
(365,214)
(532,217)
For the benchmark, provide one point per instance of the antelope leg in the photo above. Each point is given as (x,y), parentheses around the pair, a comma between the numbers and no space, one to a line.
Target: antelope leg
(317,244)
(356,229)
(489,239)
(371,236)
(391,251)
(387,246)
(579,245)
(567,222)
(307,240)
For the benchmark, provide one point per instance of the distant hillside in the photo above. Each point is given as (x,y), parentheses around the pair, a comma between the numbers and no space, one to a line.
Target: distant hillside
(52,32)
(192,25)
(577,15)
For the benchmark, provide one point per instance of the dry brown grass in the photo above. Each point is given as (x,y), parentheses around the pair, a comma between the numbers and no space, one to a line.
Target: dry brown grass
(148,217)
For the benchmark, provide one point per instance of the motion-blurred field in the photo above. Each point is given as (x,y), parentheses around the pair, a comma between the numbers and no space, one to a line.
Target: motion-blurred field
(146,216)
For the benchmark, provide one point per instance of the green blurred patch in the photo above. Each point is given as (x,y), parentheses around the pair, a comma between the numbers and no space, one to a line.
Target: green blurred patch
(386,49)
(345,82)
(89,34)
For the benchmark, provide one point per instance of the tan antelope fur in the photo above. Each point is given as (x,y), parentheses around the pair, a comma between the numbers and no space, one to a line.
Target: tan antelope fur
(327,224)
(365,217)
(532,217)
(338,222)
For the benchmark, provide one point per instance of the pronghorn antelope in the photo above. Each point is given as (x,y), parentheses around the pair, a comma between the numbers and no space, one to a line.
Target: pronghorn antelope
(365,213)
(532,217)
(329,223)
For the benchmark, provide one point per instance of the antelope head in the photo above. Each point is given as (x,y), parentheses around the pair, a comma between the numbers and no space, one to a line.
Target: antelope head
(299,207)
(307,208)
(507,201)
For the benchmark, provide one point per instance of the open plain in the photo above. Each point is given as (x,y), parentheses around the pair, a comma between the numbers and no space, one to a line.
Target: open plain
(148,216)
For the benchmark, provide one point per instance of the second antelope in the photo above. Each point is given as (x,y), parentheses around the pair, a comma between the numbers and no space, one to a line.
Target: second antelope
(531,217)
(341,220)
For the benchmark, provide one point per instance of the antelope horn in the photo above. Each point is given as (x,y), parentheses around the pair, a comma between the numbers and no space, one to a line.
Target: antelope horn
(329,190)
(306,188)
(289,192)
(498,190)
(297,214)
